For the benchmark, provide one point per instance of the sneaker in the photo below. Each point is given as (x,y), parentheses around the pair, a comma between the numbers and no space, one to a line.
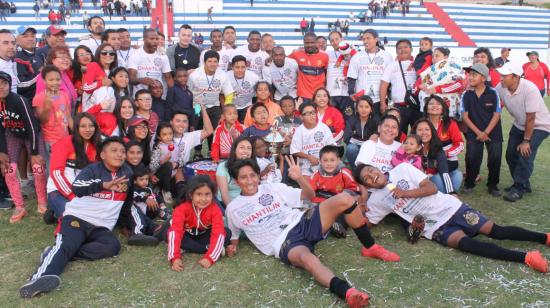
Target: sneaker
(338,230)
(416,228)
(142,240)
(535,260)
(494,191)
(5,205)
(41,208)
(509,188)
(378,252)
(49,217)
(467,190)
(18,214)
(42,284)
(356,298)
(512,196)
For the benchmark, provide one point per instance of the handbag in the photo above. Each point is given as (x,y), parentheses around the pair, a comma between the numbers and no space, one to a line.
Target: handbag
(411,99)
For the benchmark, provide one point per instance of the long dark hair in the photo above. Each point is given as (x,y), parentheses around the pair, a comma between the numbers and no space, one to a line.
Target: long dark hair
(485,50)
(160,127)
(82,160)
(119,120)
(233,154)
(144,143)
(199,181)
(435,145)
(77,69)
(97,56)
(445,116)
(116,89)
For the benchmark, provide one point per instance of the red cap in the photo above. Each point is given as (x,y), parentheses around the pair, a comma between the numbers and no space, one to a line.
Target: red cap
(55,30)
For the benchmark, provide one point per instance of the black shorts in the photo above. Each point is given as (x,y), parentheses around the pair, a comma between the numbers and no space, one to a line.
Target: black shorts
(306,233)
(466,219)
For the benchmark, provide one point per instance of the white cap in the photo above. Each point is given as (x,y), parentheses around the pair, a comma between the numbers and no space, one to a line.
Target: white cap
(510,68)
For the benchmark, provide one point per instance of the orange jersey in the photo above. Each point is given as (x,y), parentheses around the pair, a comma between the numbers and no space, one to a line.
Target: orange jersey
(312,69)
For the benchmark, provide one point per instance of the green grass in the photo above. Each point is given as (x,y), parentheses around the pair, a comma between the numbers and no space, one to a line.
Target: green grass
(428,274)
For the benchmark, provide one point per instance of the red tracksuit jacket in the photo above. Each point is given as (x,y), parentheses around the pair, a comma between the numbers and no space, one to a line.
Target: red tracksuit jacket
(334,183)
(221,145)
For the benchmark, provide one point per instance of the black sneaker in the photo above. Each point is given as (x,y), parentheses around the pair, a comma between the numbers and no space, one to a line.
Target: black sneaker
(512,196)
(142,240)
(467,190)
(509,188)
(42,284)
(494,191)
(416,228)
(49,217)
(5,204)
(338,230)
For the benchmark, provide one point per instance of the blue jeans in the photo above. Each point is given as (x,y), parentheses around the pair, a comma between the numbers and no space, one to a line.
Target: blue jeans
(56,202)
(456,179)
(352,150)
(522,167)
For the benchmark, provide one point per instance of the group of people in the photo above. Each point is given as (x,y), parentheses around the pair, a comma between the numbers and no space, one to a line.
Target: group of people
(193,147)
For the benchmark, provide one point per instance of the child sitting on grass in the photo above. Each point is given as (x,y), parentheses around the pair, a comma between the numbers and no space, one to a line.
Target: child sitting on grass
(198,227)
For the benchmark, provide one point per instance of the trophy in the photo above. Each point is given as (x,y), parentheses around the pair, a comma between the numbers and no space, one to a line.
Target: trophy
(275,140)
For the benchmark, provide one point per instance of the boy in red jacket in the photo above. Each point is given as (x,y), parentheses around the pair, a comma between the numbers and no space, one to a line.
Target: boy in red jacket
(228,130)
(197,226)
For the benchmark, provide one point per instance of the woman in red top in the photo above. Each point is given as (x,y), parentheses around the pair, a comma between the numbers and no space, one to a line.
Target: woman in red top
(81,57)
(328,114)
(114,123)
(97,72)
(536,72)
(483,55)
(69,155)
(197,226)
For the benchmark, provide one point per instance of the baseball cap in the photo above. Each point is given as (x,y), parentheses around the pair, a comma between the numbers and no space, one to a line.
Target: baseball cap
(55,30)
(533,52)
(24,29)
(510,68)
(5,76)
(136,120)
(479,68)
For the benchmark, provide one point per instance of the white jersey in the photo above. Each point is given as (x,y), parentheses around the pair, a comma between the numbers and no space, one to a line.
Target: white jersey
(100,95)
(266,217)
(243,88)
(392,75)
(150,65)
(90,42)
(207,89)
(377,154)
(124,56)
(186,143)
(368,69)
(284,78)
(10,67)
(254,60)
(337,83)
(226,54)
(437,208)
(310,142)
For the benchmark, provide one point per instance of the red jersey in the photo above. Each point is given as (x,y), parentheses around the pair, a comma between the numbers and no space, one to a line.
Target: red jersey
(312,69)
(332,183)
(187,218)
(93,77)
(221,145)
(106,120)
(537,75)
(335,121)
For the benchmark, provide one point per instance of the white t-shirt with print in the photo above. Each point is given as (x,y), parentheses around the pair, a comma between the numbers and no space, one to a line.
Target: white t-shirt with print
(368,69)
(207,89)
(392,75)
(377,154)
(243,88)
(255,60)
(337,83)
(437,208)
(284,78)
(186,143)
(150,65)
(310,141)
(266,217)
(226,54)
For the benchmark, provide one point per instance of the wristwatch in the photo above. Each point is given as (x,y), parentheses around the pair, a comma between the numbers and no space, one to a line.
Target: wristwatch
(526,141)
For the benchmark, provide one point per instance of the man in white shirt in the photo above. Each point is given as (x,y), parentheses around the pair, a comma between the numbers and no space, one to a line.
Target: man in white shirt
(255,57)
(367,68)
(7,53)
(401,80)
(229,37)
(243,82)
(147,66)
(125,51)
(269,217)
(409,193)
(281,73)
(96,26)
(337,84)
(226,53)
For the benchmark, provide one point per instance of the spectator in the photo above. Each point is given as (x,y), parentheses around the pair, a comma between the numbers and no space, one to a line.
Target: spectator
(60,58)
(96,26)
(82,56)
(27,68)
(504,54)
(311,28)
(537,72)
(483,56)
(36,9)
(304,25)
(209,14)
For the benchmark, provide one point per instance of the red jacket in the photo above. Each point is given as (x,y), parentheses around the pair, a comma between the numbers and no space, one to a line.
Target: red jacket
(537,75)
(335,121)
(452,141)
(62,166)
(93,77)
(221,145)
(334,184)
(187,218)
(106,120)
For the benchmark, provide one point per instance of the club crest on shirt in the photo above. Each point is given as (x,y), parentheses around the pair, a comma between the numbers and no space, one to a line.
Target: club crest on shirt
(246,85)
(471,218)
(258,61)
(216,83)
(402,184)
(225,58)
(157,62)
(378,60)
(265,199)
(318,136)
(286,71)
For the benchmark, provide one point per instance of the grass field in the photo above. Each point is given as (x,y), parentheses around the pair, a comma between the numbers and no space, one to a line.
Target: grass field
(428,275)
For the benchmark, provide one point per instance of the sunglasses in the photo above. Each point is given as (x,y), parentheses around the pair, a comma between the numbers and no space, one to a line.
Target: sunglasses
(108,53)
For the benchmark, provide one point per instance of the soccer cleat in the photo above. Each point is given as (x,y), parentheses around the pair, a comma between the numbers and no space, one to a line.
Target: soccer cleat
(378,252)
(535,260)
(42,284)
(338,230)
(416,228)
(18,214)
(142,240)
(356,298)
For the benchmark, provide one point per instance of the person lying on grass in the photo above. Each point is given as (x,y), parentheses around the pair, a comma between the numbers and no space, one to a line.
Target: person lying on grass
(408,192)
(269,216)
(85,232)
